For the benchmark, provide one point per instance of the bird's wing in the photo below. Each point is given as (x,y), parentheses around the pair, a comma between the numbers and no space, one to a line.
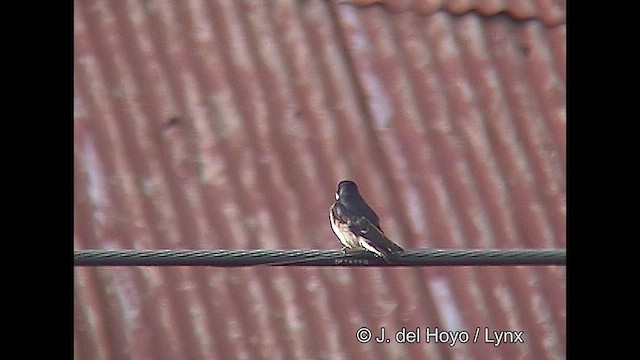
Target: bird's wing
(365,228)
(340,212)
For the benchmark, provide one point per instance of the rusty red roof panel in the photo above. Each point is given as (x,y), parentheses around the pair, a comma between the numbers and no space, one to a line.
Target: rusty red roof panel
(228,124)
(549,12)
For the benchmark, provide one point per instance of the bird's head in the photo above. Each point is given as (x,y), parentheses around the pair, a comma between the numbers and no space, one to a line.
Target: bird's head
(346,188)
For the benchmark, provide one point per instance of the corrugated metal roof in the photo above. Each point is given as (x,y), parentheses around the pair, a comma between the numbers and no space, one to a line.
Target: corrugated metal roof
(228,124)
(549,12)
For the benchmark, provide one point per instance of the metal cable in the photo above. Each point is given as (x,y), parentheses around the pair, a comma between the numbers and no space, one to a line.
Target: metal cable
(229,258)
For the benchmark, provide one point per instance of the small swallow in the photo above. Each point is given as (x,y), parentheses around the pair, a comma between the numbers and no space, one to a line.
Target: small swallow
(357,226)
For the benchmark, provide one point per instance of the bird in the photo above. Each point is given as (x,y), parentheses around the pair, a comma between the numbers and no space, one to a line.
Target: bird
(357,226)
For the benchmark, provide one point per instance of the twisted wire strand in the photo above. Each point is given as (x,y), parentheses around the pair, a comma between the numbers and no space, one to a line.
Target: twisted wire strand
(231,258)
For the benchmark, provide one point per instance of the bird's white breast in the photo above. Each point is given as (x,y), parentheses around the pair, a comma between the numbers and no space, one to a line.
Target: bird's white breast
(346,237)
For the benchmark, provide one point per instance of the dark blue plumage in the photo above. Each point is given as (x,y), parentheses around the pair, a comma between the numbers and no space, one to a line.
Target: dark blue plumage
(357,226)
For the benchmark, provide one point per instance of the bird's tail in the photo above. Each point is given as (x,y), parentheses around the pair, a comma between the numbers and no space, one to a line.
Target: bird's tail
(386,243)
(388,249)
(390,257)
